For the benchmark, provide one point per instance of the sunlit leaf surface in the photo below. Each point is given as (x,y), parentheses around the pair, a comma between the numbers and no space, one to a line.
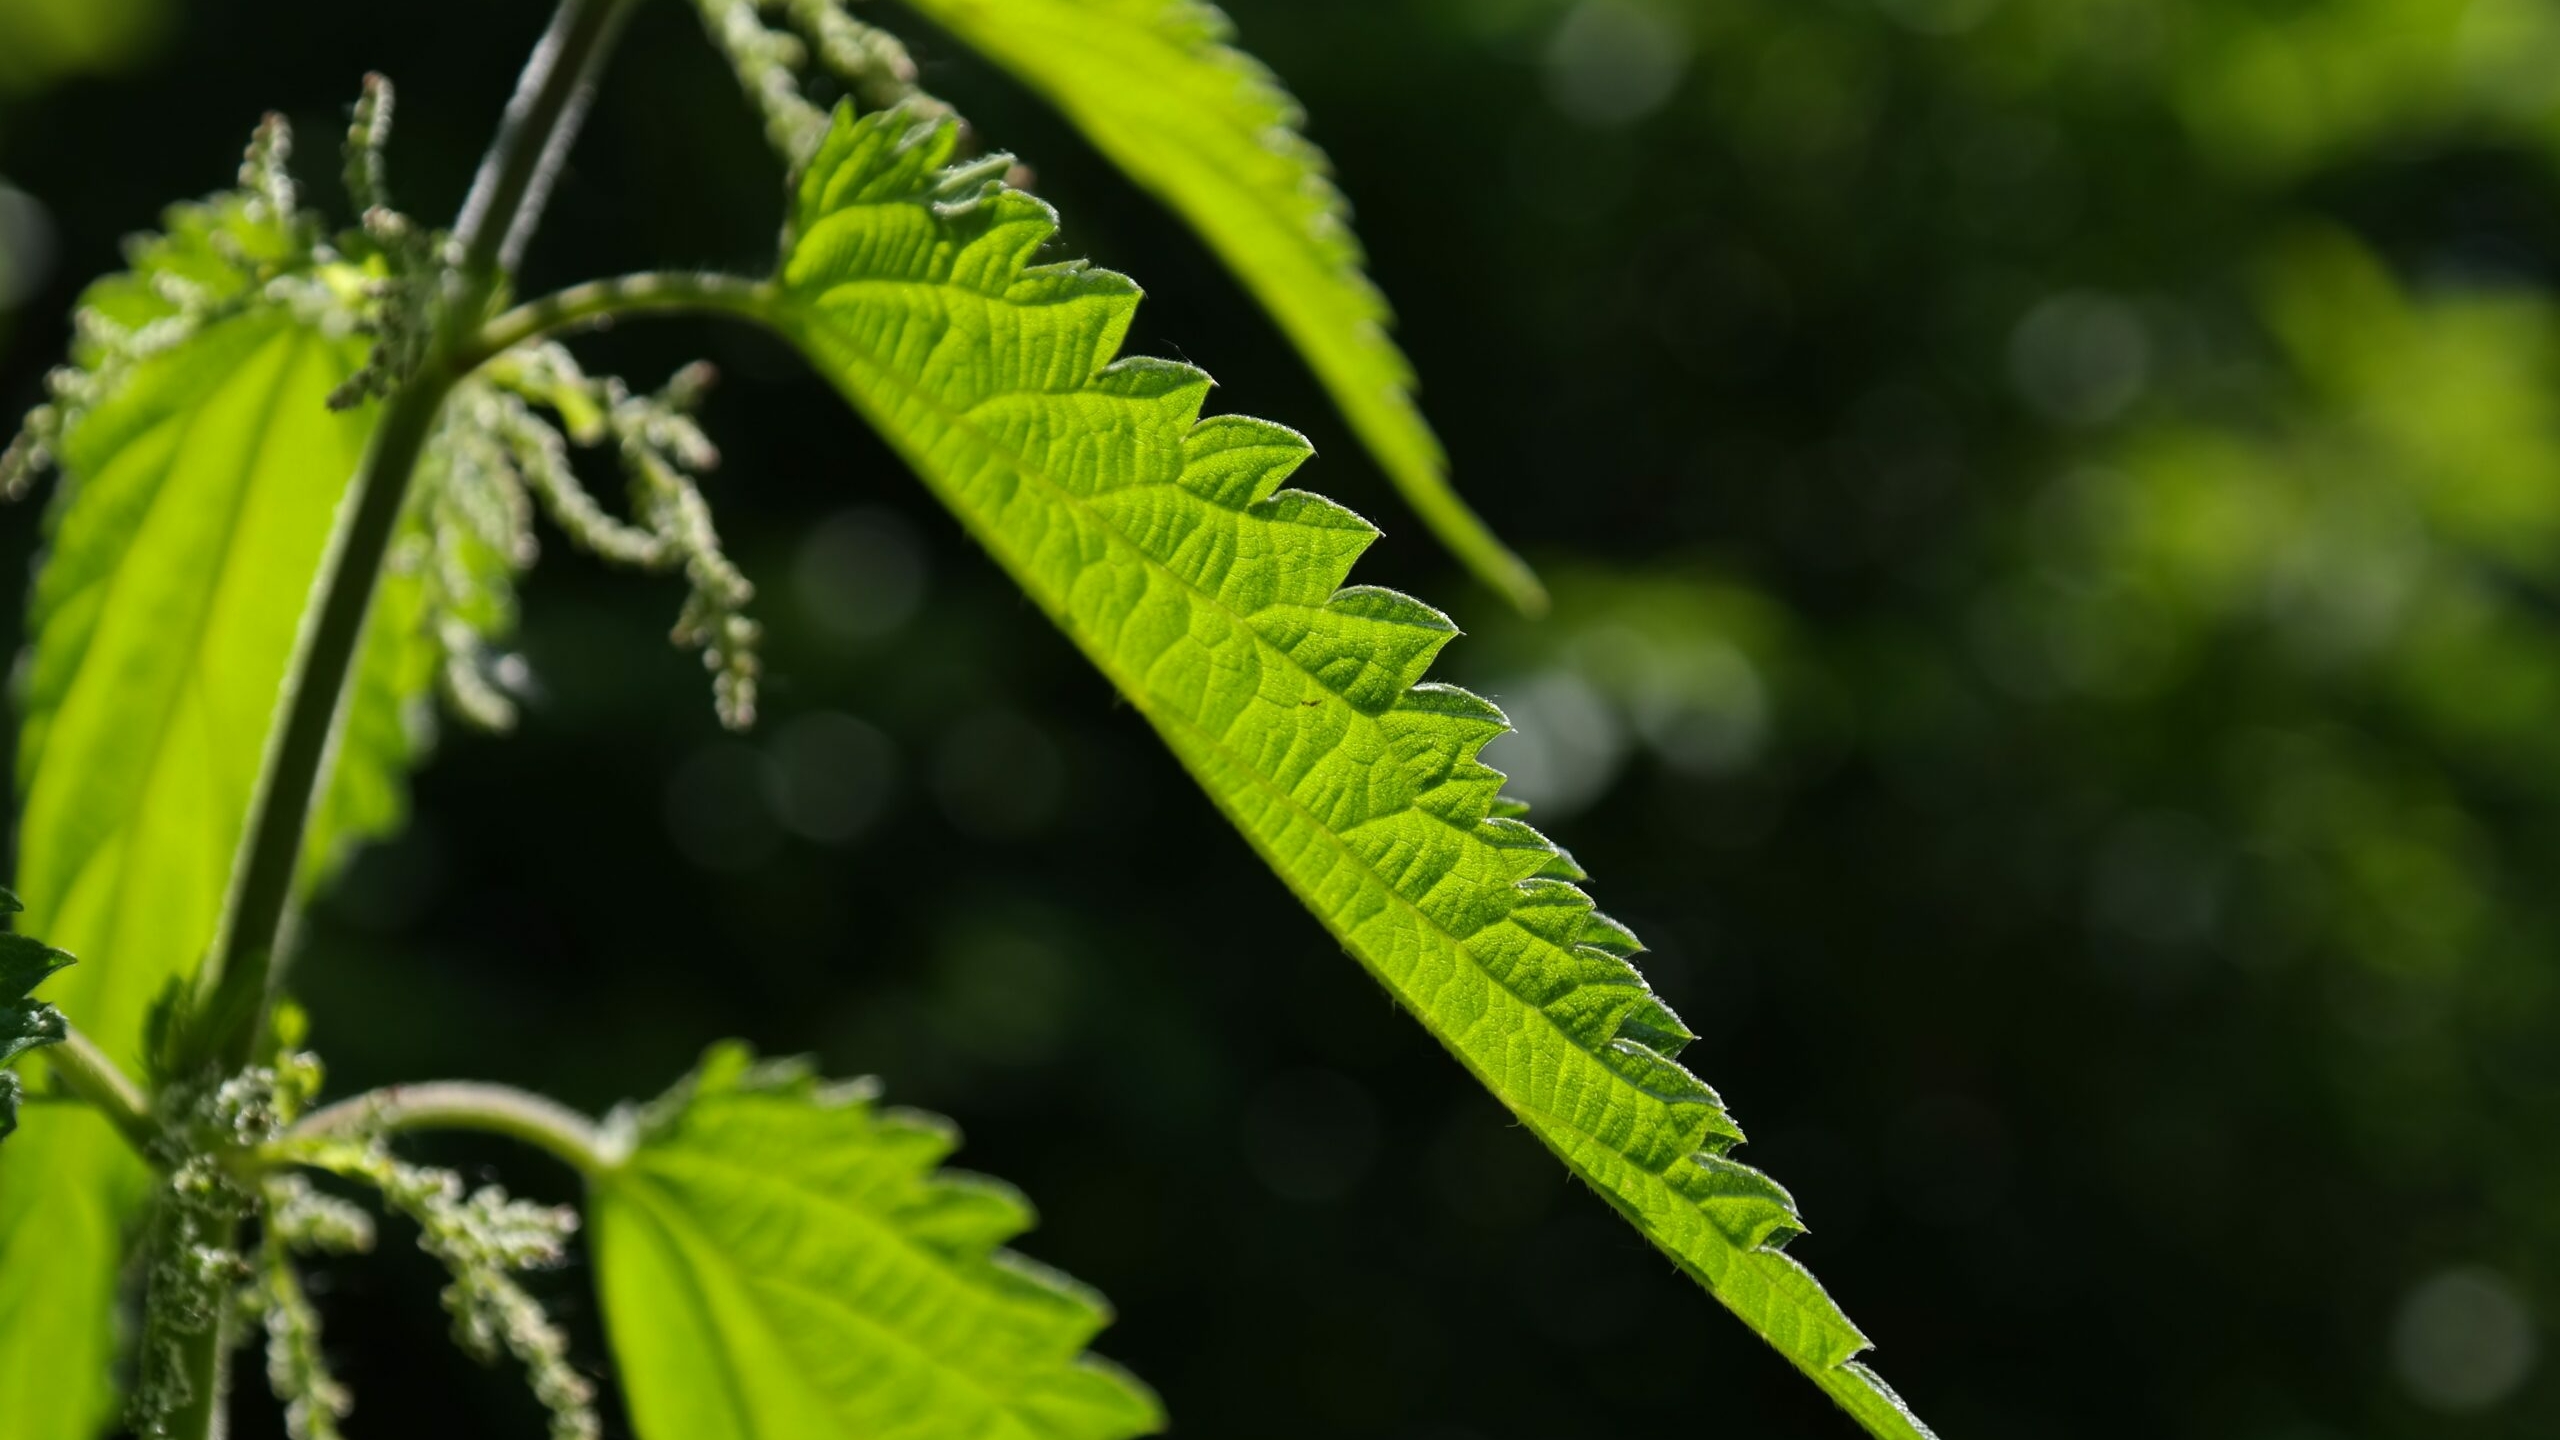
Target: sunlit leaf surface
(1156,86)
(783,1259)
(1163,545)
(197,497)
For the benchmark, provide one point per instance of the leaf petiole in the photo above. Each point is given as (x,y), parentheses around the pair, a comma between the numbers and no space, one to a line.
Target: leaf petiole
(96,1081)
(599,303)
(470,1105)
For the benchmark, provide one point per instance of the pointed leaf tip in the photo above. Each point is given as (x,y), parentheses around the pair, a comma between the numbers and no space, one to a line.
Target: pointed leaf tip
(1214,605)
(1159,88)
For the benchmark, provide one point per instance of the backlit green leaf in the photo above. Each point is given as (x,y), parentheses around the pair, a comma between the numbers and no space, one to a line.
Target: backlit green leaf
(782,1260)
(200,487)
(1161,543)
(1156,86)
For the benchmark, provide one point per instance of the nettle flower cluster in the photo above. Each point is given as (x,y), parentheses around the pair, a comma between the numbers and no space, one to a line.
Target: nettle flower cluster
(224,1146)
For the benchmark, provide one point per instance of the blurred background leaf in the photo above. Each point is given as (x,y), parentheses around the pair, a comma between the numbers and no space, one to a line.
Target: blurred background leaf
(2057,643)
(43,42)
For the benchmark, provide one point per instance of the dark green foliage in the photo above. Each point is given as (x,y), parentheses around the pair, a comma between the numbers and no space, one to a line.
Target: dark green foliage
(26,1023)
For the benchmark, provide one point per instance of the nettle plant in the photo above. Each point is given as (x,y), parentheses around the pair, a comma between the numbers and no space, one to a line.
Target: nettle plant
(301,466)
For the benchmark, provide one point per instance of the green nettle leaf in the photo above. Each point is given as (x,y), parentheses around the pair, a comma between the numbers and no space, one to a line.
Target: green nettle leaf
(782,1259)
(201,485)
(26,1023)
(1155,85)
(1161,543)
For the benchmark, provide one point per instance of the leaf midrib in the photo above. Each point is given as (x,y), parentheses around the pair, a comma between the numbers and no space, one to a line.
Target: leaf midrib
(192,688)
(791,1181)
(673,1218)
(1143,701)
(1140,698)
(643,1208)
(1180,139)
(1652,1199)
(1341,273)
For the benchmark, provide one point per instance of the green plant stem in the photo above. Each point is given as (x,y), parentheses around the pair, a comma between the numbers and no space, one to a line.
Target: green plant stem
(599,303)
(506,198)
(87,1072)
(473,1105)
(505,202)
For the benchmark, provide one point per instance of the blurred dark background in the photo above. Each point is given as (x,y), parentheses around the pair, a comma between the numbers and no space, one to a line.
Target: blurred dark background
(2055,513)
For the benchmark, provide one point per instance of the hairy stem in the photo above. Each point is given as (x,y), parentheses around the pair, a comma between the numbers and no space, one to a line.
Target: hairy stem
(599,303)
(473,1105)
(542,120)
(504,205)
(204,1411)
(244,961)
(504,202)
(86,1071)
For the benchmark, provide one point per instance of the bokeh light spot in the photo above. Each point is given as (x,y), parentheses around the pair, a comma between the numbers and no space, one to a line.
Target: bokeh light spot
(2080,359)
(1613,62)
(2463,1340)
(1567,744)
(860,575)
(831,775)
(26,246)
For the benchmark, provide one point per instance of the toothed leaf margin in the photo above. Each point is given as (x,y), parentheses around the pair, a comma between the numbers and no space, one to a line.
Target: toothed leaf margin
(781,1257)
(1163,545)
